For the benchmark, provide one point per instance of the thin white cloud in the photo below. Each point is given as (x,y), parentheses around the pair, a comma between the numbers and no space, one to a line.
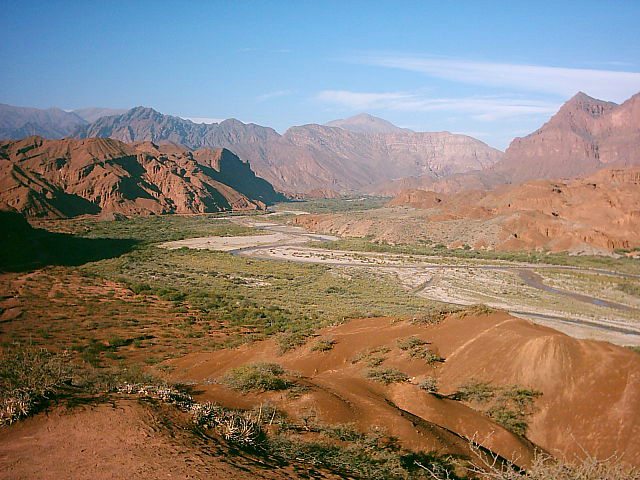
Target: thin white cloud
(271,95)
(606,84)
(484,108)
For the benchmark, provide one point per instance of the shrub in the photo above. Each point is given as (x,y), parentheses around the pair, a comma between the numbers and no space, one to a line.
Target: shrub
(508,406)
(386,375)
(434,316)
(257,376)
(546,467)
(28,377)
(476,310)
(429,385)
(323,345)
(164,393)
(475,392)
(291,340)
(410,343)
(372,357)
(239,427)
(417,348)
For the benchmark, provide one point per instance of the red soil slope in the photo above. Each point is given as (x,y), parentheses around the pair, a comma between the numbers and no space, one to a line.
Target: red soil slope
(590,390)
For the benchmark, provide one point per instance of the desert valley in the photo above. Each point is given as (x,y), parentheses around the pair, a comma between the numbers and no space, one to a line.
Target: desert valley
(209,298)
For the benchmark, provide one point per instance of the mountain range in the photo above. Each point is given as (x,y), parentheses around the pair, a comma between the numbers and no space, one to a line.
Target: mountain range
(365,153)
(70,177)
(343,158)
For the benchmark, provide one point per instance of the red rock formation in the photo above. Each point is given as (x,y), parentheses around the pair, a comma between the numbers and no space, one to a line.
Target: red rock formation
(62,178)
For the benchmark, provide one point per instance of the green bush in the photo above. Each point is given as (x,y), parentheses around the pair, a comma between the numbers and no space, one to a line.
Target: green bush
(475,392)
(323,345)
(372,357)
(417,348)
(28,377)
(508,406)
(410,343)
(386,375)
(429,385)
(257,376)
(291,340)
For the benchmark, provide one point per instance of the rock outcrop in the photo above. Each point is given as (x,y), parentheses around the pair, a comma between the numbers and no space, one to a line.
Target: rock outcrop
(65,178)
(599,213)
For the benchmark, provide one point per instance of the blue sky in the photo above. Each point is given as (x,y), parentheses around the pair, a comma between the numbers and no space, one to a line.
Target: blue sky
(493,70)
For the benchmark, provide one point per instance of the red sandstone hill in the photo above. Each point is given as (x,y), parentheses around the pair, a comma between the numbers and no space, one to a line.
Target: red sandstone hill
(600,212)
(64,178)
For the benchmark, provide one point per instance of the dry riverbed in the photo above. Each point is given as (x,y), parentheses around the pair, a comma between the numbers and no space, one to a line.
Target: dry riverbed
(576,301)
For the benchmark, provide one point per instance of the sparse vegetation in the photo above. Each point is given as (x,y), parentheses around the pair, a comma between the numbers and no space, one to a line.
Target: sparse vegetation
(630,288)
(257,376)
(508,406)
(624,264)
(335,205)
(417,348)
(324,345)
(429,385)
(386,375)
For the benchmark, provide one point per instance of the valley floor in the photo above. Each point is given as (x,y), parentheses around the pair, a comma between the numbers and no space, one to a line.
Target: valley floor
(582,302)
(367,358)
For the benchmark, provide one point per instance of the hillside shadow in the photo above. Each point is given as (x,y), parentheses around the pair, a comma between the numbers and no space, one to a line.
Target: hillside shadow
(24,248)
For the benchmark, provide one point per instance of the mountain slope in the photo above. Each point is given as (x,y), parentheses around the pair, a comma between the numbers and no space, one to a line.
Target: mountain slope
(564,370)
(20,122)
(64,178)
(585,135)
(309,157)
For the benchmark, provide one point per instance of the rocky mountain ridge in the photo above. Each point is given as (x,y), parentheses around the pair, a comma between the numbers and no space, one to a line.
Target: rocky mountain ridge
(65,178)
(584,136)
(309,157)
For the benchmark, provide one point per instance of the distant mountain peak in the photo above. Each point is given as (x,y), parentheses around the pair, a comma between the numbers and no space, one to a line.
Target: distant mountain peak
(365,123)
(141,111)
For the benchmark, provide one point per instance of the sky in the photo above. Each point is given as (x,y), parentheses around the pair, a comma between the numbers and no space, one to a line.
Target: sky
(493,70)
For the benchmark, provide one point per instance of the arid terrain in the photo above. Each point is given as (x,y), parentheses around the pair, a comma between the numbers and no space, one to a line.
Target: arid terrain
(265,323)
(595,214)
(349,300)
